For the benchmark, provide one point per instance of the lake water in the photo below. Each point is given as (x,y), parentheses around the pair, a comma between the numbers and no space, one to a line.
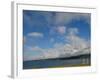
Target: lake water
(50,63)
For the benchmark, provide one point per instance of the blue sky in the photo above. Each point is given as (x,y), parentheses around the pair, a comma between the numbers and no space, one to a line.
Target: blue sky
(45,30)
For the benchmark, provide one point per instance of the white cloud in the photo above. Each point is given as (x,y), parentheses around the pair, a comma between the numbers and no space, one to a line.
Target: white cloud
(76,41)
(35,34)
(75,46)
(64,18)
(33,53)
(57,45)
(58,30)
(35,48)
(59,51)
(73,31)
(61,29)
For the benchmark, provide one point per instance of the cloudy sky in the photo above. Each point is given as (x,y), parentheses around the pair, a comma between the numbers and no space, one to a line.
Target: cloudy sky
(55,34)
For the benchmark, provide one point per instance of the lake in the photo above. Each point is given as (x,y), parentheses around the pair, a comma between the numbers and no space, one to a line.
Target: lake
(83,60)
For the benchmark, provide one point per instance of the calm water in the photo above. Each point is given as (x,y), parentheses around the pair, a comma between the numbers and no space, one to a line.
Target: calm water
(56,63)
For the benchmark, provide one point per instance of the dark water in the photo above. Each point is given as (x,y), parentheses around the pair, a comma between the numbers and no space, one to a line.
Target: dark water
(58,62)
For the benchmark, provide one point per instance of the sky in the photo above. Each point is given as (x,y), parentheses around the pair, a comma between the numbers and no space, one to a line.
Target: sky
(49,34)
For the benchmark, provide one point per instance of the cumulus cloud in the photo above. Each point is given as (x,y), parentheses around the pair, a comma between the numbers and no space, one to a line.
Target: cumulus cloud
(73,31)
(35,48)
(75,46)
(55,18)
(35,34)
(33,53)
(57,45)
(76,41)
(64,18)
(61,29)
